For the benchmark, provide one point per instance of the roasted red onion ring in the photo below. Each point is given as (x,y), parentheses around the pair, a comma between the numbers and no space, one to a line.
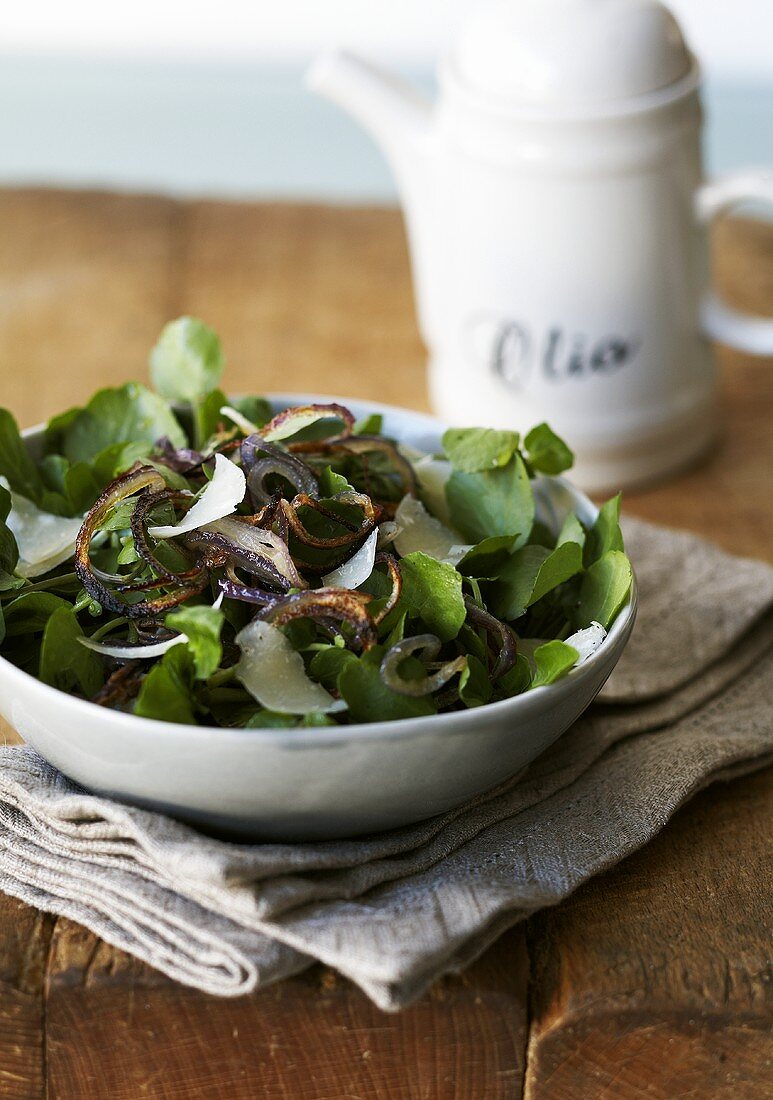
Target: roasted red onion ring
(331,411)
(261,459)
(134,481)
(339,604)
(429,645)
(508,643)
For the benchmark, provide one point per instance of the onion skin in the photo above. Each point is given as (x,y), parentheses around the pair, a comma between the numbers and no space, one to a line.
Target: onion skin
(233,590)
(339,604)
(508,650)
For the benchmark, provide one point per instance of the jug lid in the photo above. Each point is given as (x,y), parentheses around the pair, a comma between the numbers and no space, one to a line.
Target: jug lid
(570,52)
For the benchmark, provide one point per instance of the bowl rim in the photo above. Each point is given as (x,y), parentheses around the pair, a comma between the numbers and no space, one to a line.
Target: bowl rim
(311,736)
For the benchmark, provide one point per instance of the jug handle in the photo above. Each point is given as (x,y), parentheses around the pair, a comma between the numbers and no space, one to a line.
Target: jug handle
(719,321)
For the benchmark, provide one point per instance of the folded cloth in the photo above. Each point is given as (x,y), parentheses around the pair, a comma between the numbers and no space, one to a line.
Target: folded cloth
(690,703)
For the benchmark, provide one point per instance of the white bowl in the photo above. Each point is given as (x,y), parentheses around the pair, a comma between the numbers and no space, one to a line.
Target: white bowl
(315,783)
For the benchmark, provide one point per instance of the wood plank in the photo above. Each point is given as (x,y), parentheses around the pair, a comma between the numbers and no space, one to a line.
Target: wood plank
(24,942)
(84,291)
(117,1030)
(307,298)
(654,980)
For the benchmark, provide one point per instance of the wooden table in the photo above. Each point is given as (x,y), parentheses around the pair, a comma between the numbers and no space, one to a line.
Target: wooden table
(653,980)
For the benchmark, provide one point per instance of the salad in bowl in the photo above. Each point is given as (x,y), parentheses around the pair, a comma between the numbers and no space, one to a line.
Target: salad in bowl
(296,617)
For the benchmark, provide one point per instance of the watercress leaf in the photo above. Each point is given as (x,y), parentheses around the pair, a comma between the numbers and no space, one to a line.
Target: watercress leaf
(552,660)
(128,414)
(604,590)
(546,452)
(327,664)
(207,416)
(256,409)
(605,534)
(187,362)
(9,551)
(368,697)
(473,449)
(331,483)
(432,592)
(474,683)
(202,626)
(487,557)
(571,531)
(492,502)
(516,680)
(167,690)
(29,612)
(530,574)
(16,465)
(117,458)
(64,662)
(369,425)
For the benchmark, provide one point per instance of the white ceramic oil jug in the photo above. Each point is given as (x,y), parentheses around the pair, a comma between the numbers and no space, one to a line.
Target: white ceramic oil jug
(556,209)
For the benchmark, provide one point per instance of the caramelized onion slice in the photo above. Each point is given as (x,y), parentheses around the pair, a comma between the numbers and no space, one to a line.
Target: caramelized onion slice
(326,603)
(429,646)
(501,632)
(288,423)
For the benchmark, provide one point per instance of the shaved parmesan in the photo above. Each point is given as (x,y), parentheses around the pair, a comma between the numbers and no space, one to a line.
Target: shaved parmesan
(44,540)
(587,641)
(418,530)
(239,420)
(220,498)
(357,569)
(274,674)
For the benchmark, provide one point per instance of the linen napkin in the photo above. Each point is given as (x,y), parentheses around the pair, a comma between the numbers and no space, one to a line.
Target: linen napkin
(691,702)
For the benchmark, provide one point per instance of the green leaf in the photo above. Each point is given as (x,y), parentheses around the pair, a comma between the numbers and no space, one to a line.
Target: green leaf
(494,502)
(432,592)
(331,483)
(368,697)
(369,425)
(256,409)
(571,531)
(202,625)
(9,551)
(516,681)
(117,458)
(546,452)
(530,574)
(604,589)
(485,559)
(474,683)
(327,665)
(15,463)
(474,449)
(187,362)
(207,416)
(129,414)
(29,613)
(64,662)
(605,534)
(553,660)
(167,690)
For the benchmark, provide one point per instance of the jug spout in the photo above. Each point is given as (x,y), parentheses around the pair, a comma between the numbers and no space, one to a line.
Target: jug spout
(401,121)
(395,114)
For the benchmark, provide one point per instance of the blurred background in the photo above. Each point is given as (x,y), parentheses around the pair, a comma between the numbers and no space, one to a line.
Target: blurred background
(207,99)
